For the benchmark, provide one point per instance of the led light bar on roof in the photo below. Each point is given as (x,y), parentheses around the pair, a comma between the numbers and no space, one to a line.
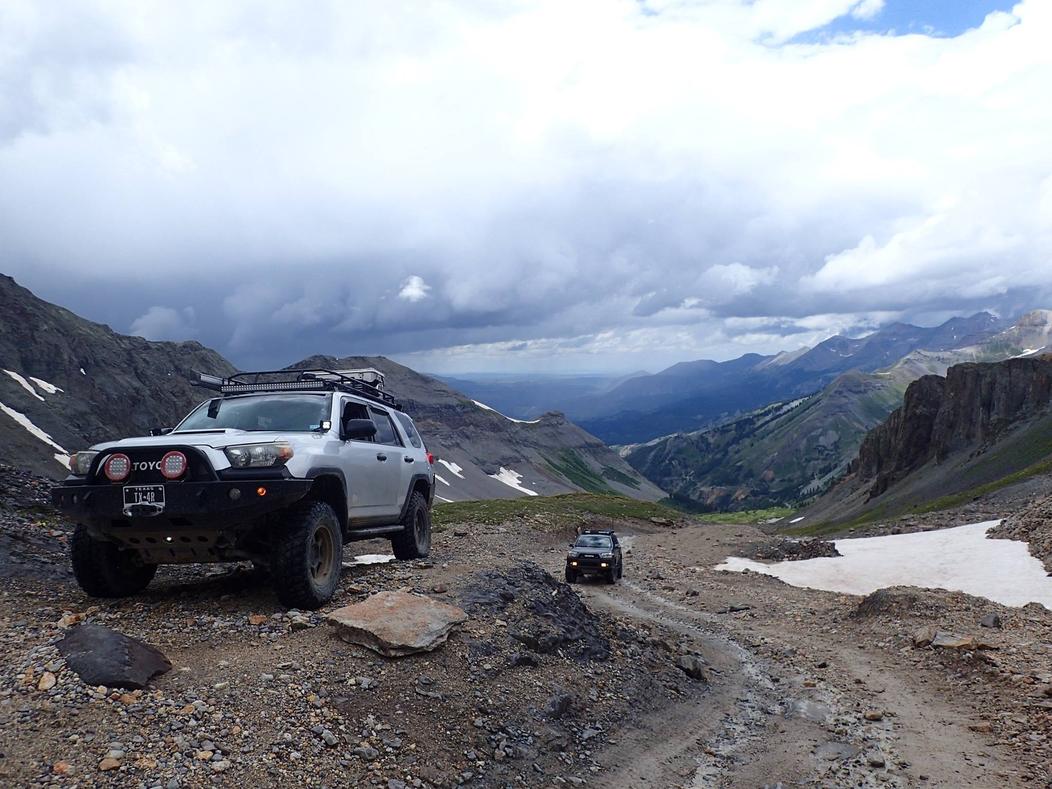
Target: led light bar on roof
(277,386)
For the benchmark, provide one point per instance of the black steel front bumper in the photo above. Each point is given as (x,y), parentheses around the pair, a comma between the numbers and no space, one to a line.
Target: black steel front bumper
(589,565)
(186,503)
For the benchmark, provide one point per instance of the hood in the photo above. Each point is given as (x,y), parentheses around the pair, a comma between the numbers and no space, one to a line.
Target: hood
(216,439)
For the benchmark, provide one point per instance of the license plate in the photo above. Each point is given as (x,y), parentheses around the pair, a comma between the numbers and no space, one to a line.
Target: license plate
(143,494)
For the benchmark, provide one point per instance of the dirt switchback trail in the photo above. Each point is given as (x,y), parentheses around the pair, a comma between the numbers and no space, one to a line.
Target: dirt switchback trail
(790,703)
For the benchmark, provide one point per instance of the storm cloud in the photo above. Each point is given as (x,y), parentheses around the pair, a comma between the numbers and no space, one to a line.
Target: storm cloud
(603,184)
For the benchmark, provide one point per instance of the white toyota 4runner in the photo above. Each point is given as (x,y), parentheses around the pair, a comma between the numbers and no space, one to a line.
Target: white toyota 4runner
(279,468)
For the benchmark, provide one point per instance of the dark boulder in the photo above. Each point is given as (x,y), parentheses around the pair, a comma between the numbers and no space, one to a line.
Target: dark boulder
(101,656)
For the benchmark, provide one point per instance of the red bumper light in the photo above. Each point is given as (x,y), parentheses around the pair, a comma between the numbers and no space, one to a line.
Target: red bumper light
(430,459)
(173,465)
(117,467)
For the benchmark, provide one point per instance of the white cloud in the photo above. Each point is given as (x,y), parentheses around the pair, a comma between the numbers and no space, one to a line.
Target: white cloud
(867,9)
(165,323)
(536,171)
(413,289)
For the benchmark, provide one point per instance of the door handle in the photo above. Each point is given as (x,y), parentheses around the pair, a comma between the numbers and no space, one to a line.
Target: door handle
(409,459)
(381,456)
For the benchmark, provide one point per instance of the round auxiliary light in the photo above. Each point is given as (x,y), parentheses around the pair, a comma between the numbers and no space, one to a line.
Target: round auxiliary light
(173,465)
(117,467)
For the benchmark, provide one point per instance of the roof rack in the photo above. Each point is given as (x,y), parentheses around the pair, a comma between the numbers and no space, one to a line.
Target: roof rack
(367,383)
(608,532)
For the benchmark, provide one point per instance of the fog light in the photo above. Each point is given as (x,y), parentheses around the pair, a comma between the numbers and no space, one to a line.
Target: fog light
(602,564)
(234,494)
(168,539)
(261,491)
(573,564)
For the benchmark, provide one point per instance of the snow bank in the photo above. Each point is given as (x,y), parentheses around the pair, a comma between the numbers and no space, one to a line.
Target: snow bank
(62,456)
(443,498)
(25,385)
(442,479)
(454,469)
(960,559)
(42,384)
(509,418)
(511,479)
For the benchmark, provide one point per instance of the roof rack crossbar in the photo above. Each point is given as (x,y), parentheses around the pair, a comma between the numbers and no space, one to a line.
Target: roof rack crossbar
(313,379)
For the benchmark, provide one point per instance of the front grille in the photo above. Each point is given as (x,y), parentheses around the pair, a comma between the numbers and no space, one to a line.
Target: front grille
(145,465)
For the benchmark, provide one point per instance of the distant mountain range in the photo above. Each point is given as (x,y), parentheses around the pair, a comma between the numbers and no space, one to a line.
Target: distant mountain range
(691,395)
(66,383)
(791,450)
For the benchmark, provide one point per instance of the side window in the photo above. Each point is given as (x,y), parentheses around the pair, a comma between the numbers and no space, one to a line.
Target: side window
(410,429)
(385,429)
(353,410)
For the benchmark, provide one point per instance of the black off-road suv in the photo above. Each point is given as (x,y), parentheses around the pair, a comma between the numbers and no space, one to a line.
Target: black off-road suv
(595,552)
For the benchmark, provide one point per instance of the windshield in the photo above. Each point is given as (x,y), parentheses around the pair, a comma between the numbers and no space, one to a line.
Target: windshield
(593,541)
(284,413)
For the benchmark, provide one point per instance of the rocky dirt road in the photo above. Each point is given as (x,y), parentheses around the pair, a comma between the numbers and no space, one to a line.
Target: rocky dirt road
(679,676)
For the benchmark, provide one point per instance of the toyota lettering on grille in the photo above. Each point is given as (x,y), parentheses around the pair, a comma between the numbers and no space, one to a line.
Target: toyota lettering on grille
(147,465)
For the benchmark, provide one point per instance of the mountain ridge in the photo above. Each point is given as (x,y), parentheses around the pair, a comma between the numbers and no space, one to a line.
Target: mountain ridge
(67,383)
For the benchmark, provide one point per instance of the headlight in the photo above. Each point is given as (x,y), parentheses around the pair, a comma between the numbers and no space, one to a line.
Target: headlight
(606,556)
(258,455)
(80,462)
(573,554)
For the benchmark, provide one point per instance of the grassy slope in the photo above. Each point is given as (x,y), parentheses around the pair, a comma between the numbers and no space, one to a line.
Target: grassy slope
(557,511)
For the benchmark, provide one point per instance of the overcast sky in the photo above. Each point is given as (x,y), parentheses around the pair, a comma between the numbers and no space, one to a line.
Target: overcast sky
(502,185)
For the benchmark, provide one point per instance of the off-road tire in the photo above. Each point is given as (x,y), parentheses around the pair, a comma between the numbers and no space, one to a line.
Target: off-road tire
(611,575)
(620,569)
(307,556)
(103,570)
(571,576)
(414,540)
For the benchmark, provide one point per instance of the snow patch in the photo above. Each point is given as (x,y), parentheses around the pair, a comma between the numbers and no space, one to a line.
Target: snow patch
(25,385)
(82,371)
(1027,352)
(369,558)
(959,559)
(797,520)
(512,480)
(454,469)
(443,498)
(509,418)
(62,456)
(442,480)
(42,384)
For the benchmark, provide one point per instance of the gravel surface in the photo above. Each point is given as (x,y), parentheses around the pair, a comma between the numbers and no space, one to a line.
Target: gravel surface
(677,676)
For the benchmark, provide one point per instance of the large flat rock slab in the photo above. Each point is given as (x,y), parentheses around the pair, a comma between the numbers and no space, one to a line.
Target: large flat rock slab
(397,623)
(101,656)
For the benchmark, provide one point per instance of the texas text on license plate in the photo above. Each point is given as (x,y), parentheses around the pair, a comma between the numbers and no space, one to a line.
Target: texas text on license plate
(143,494)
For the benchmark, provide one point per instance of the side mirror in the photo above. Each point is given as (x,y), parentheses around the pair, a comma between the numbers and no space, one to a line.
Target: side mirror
(160,431)
(358,429)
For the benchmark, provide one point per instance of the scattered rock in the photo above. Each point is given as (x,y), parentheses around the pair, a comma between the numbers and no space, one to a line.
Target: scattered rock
(257,619)
(889,602)
(923,637)
(983,727)
(558,705)
(874,715)
(109,763)
(990,620)
(693,667)
(835,751)
(47,681)
(101,656)
(397,623)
